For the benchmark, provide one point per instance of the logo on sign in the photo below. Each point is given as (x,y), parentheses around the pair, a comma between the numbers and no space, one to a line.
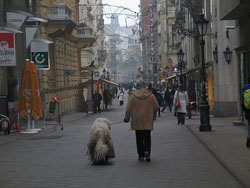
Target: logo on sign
(175,69)
(40,59)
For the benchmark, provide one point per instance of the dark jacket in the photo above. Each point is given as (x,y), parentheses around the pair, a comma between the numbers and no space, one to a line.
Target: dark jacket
(159,98)
(97,98)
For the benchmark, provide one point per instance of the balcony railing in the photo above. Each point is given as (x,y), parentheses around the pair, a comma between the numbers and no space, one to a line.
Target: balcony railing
(59,12)
(85,32)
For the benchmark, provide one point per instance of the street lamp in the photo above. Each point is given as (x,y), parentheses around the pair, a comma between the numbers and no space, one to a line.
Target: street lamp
(92,68)
(180,56)
(202,24)
(108,74)
(167,70)
(104,73)
(228,55)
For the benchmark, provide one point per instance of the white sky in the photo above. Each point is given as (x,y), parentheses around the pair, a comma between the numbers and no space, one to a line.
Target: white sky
(131,4)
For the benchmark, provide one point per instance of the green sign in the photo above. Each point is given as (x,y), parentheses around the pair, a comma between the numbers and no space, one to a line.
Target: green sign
(40,59)
(40,54)
(153,62)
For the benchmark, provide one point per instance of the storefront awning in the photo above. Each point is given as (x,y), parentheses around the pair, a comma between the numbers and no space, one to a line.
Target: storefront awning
(109,82)
(171,77)
(191,70)
(185,72)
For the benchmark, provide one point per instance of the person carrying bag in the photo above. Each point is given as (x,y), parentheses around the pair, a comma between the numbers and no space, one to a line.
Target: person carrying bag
(180,103)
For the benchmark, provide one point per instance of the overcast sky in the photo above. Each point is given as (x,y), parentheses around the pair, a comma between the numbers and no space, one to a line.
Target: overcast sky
(131,4)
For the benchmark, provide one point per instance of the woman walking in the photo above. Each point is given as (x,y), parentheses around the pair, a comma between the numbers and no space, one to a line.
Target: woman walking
(180,102)
(121,97)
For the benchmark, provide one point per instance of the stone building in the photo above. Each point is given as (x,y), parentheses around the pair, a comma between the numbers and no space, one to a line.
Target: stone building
(63,77)
(149,40)
(92,22)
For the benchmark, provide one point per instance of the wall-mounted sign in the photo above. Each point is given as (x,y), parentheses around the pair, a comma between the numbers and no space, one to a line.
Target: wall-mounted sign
(40,54)
(7,49)
(16,19)
(175,69)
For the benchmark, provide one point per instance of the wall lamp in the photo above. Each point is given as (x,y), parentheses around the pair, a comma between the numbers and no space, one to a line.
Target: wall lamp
(215,54)
(228,55)
(227,31)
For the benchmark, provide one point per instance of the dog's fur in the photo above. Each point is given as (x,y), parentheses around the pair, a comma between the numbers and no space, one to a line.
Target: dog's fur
(100,145)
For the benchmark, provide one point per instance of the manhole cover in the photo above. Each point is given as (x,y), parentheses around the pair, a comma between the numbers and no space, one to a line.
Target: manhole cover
(45,137)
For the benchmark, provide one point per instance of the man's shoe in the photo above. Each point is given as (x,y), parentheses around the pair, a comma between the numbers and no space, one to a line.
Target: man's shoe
(147,156)
(248,142)
(141,158)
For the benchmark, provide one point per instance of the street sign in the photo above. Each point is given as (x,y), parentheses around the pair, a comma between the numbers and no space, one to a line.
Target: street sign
(175,69)
(7,49)
(40,54)
(40,59)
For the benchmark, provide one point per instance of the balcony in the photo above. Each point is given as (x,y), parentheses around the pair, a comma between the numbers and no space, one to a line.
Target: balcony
(85,35)
(234,9)
(60,14)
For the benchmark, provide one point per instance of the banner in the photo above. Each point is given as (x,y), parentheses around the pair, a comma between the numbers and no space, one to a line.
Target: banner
(7,49)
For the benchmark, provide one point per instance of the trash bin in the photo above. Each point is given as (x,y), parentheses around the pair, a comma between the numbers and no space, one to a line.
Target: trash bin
(52,106)
(4,106)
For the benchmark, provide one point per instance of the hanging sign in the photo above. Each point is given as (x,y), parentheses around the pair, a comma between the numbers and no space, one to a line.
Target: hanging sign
(40,54)
(7,49)
(16,19)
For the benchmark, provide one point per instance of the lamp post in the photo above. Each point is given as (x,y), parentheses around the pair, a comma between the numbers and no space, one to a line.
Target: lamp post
(92,68)
(104,73)
(108,75)
(180,56)
(202,24)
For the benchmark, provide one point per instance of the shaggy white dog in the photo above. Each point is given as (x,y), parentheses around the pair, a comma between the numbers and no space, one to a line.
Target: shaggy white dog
(100,145)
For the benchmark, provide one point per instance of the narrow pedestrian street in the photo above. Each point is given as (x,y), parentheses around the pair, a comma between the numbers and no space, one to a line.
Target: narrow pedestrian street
(57,159)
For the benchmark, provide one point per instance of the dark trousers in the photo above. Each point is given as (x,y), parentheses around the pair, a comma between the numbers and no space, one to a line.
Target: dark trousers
(165,106)
(97,106)
(143,141)
(121,103)
(181,117)
(159,112)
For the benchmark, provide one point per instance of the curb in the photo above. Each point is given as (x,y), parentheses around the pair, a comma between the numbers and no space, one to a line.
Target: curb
(225,166)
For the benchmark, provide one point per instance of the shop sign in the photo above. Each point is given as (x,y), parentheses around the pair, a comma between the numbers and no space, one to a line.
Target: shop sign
(175,69)
(15,19)
(40,55)
(7,49)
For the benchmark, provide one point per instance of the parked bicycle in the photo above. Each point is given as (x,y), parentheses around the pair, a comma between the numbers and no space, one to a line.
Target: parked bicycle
(5,124)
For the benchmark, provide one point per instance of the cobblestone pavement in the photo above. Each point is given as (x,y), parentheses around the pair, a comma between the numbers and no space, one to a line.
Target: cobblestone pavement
(57,159)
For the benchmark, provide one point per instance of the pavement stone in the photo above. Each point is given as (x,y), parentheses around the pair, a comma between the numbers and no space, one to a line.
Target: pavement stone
(181,155)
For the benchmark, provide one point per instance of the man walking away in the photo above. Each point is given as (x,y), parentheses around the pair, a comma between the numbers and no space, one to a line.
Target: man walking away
(246,107)
(141,107)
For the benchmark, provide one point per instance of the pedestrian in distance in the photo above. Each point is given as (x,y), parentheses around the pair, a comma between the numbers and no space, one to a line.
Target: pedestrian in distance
(97,102)
(246,107)
(168,99)
(160,101)
(181,101)
(121,97)
(154,92)
(140,108)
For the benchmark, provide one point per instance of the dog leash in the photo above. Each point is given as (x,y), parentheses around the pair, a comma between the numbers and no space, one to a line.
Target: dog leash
(116,122)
